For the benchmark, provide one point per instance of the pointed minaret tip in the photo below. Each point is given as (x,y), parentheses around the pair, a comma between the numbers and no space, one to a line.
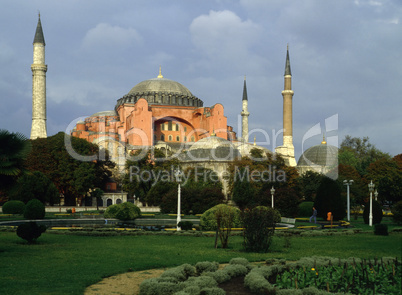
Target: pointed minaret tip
(245,89)
(323,139)
(160,72)
(39,32)
(288,72)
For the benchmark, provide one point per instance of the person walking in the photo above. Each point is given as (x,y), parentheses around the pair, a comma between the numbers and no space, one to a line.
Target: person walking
(314,215)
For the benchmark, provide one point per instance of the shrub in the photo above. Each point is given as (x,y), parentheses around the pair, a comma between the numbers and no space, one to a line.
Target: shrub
(259,227)
(30,231)
(208,218)
(381,229)
(200,282)
(13,207)
(257,283)
(220,276)
(206,266)
(34,209)
(396,211)
(213,291)
(123,211)
(236,270)
(377,213)
(185,225)
(305,209)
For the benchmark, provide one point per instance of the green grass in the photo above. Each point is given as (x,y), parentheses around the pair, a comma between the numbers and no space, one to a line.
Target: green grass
(67,264)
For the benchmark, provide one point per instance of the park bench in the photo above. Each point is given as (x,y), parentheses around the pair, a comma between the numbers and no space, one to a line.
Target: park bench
(288,220)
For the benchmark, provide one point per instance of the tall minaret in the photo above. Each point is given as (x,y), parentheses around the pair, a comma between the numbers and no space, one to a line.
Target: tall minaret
(287,150)
(245,114)
(39,69)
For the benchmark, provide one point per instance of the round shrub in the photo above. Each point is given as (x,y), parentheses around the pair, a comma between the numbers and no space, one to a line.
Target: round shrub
(123,211)
(30,231)
(396,211)
(377,212)
(13,207)
(305,209)
(208,219)
(185,225)
(34,209)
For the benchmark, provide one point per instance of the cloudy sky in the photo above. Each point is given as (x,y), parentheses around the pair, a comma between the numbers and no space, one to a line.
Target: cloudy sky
(345,59)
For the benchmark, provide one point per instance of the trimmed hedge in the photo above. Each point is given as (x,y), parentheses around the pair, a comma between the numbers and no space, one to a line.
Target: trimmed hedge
(123,211)
(208,219)
(13,207)
(30,231)
(34,209)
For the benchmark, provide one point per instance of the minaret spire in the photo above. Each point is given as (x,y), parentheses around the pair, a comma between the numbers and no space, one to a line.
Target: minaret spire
(244,113)
(160,72)
(287,150)
(39,68)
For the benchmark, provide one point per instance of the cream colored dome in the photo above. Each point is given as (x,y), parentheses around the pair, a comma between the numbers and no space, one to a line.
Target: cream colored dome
(212,148)
(160,85)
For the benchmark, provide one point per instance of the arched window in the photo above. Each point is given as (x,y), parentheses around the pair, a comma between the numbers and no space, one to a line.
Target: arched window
(163,137)
(192,139)
(185,138)
(177,138)
(170,138)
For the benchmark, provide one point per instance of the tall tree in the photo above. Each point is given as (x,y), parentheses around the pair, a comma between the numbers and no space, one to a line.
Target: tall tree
(359,153)
(73,178)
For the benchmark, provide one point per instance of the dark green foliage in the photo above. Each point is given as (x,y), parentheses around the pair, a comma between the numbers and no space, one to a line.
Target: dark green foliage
(377,212)
(123,211)
(193,201)
(381,229)
(34,209)
(14,149)
(208,218)
(185,225)
(259,226)
(396,211)
(305,209)
(206,266)
(35,185)
(13,207)
(243,192)
(30,231)
(308,184)
(286,201)
(329,200)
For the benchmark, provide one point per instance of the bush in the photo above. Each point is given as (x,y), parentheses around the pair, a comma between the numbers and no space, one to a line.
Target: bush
(259,226)
(220,276)
(381,229)
(123,211)
(396,211)
(30,231)
(305,209)
(13,207)
(329,199)
(236,270)
(34,209)
(377,212)
(206,266)
(208,218)
(185,225)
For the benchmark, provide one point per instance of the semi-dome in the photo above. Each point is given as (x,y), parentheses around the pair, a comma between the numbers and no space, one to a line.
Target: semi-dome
(212,148)
(161,91)
(322,155)
(105,114)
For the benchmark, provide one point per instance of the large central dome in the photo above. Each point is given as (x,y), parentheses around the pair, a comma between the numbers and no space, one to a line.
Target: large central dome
(160,85)
(161,91)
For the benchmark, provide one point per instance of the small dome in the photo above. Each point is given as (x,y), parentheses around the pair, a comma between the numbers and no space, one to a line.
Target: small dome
(160,85)
(319,155)
(212,148)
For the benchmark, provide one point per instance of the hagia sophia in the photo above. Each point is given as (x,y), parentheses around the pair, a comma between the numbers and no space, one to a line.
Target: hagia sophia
(162,113)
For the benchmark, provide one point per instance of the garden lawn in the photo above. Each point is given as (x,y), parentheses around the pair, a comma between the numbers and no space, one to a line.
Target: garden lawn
(67,264)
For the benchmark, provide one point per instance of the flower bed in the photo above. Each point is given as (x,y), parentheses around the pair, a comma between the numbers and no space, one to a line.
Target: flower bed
(315,275)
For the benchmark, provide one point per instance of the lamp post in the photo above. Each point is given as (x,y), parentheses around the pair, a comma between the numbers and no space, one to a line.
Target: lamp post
(272,197)
(348,183)
(371,189)
(376,195)
(178,174)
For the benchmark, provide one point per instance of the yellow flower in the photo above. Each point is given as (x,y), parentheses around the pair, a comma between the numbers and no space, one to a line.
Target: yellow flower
(312,268)
(316,273)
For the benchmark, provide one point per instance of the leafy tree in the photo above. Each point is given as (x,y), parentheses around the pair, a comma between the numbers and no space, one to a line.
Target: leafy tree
(396,212)
(35,185)
(72,177)
(123,211)
(14,149)
(387,176)
(329,199)
(359,153)
(286,201)
(243,193)
(97,193)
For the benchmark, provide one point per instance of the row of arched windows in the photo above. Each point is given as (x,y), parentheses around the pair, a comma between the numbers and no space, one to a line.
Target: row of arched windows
(170,138)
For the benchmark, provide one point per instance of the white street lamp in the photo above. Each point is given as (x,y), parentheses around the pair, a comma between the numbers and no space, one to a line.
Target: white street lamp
(272,197)
(371,189)
(178,173)
(348,183)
